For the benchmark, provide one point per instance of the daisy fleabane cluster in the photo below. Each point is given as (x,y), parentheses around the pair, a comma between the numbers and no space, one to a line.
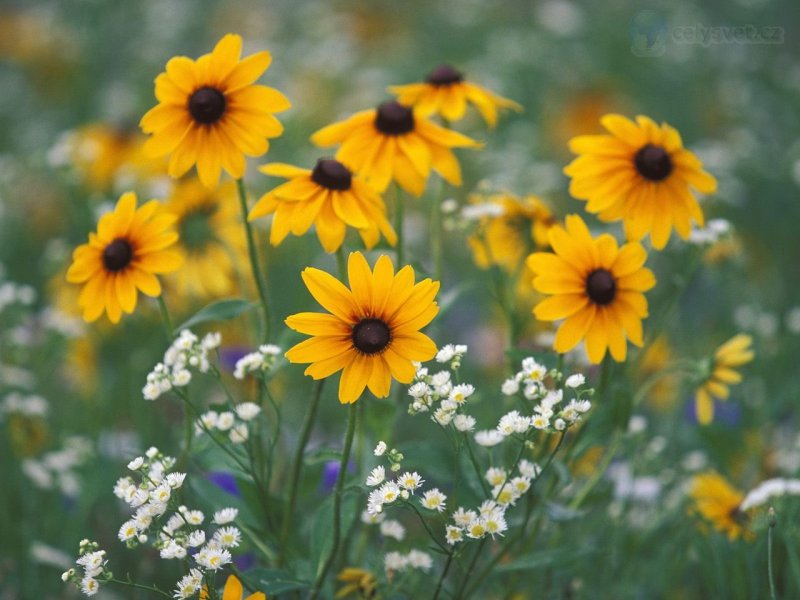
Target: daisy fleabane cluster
(233,423)
(395,562)
(387,491)
(187,353)
(91,569)
(258,362)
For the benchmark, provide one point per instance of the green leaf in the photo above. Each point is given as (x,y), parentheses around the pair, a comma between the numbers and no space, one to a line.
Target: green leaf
(545,558)
(221,310)
(273,581)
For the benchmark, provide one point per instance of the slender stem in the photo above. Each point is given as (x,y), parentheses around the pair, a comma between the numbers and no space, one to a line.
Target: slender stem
(399,207)
(341,263)
(437,249)
(444,575)
(140,586)
(476,466)
(426,526)
(459,593)
(770,572)
(297,467)
(258,275)
(165,318)
(598,472)
(337,501)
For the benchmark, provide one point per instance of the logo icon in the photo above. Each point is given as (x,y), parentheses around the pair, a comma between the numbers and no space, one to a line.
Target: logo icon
(648,33)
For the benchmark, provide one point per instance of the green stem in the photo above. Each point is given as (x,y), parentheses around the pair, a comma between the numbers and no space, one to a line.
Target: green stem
(165,318)
(459,593)
(341,263)
(297,467)
(476,466)
(443,576)
(426,526)
(188,435)
(770,572)
(337,501)
(258,275)
(140,587)
(399,211)
(598,472)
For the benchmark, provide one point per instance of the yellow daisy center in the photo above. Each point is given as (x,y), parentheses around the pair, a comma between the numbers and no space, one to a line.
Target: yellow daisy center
(444,75)
(207,105)
(392,118)
(653,162)
(371,336)
(117,255)
(601,287)
(332,174)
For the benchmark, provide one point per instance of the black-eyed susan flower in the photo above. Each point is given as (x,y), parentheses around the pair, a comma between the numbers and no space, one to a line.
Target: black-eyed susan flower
(445,92)
(722,373)
(130,247)
(373,332)
(718,502)
(392,142)
(358,583)
(233,590)
(640,174)
(595,286)
(211,241)
(328,196)
(211,114)
(508,229)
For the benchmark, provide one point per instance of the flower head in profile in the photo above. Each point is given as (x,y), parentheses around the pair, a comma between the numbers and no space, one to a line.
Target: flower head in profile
(722,373)
(131,246)
(640,174)
(210,240)
(595,286)
(358,583)
(372,332)
(718,502)
(508,229)
(211,114)
(446,93)
(392,142)
(328,196)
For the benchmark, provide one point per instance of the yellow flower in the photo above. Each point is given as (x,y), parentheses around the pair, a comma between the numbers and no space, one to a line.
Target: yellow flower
(360,584)
(733,353)
(718,502)
(641,174)
(655,359)
(372,333)
(233,591)
(328,196)
(126,253)
(596,287)
(509,234)
(445,93)
(211,240)
(392,142)
(211,114)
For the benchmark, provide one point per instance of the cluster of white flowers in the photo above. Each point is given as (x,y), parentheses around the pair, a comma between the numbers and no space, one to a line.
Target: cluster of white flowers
(181,534)
(388,491)
(26,405)
(711,233)
(92,563)
(415,559)
(452,354)
(14,293)
(260,361)
(233,422)
(58,469)
(771,488)
(187,352)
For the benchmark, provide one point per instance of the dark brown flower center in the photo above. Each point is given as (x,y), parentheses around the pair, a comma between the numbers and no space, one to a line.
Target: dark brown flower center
(653,162)
(207,105)
(117,255)
(601,286)
(332,174)
(444,75)
(394,119)
(371,336)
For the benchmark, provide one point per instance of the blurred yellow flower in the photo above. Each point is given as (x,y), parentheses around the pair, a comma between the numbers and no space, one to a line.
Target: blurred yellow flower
(359,584)
(595,286)
(717,501)
(446,93)
(722,373)
(640,174)
(392,142)
(511,230)
(330,197)
(123,257)
(211,114)
(211,241)
(656,358)
(372,334)
(233,591)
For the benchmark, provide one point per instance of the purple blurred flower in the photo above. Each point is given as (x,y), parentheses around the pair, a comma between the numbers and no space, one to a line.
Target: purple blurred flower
(728,413)
(245,561)
(229,355)
(329,474)
(225,481)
